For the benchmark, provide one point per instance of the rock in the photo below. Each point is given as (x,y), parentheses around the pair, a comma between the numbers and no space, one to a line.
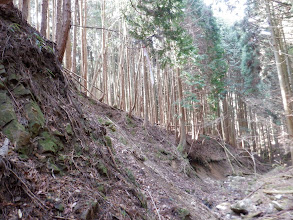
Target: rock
(17,133)
(2,69)
(35,117)
(68,129)
(12,76)
(50,143)
(277,206)
(241,207)
(59,207)
(223,206)
(3,97)
(47,146)
(2,86)
(20,91)
(7,114)
(278,196)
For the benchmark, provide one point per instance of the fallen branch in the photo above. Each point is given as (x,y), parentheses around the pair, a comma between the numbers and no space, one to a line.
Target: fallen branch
(278,191)
(154,204)
(250,194)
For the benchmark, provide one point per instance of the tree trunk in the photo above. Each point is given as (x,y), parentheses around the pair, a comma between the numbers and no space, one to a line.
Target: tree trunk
(182,142)
(74,49)
(25,7)
(58,21)
(44,17)
(63,36)
(282,73)
(146,90)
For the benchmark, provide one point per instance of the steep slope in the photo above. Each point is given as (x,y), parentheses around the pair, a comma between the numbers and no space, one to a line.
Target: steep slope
(58,164)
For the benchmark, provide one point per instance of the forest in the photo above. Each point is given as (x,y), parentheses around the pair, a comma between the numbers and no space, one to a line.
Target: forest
(141,109)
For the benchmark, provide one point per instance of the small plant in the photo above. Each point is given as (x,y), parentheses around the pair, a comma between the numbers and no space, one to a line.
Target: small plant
(131,176)
(14,27)
(50,72)
(40,42)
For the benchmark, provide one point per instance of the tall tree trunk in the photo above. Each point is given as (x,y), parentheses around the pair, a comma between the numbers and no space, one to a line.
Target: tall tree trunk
(25,7)
(44,17)
(146,90)
(74,49)
(58,22)
(282,73)
(182,142)
(83,22)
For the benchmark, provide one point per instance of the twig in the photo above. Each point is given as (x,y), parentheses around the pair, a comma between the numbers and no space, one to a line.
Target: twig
(154,204)
(253,160)
(28,191)
(250,194)
(59,217)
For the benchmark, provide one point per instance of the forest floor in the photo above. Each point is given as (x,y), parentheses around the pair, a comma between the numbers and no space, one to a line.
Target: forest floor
(74,158)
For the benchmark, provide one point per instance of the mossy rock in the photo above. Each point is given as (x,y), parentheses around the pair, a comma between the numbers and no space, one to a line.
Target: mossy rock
(17,133)
(20,91)
(7,114)
(184,214)
(53,167)
(35,117)
(4,97)
(13,76)
(102,169)
(2,69)
(68,129)
(108,123)
(50,143)
(48,146)
(2,86)
(112,128)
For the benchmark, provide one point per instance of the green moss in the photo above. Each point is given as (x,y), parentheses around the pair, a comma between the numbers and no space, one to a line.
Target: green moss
(129,122)
(101,188)
(68,129)
(50,143)
(54,168)
(35,117)
(131,176)
(142,199)
(108,141)
(48,146)
(17,133)
(184,214)
(102,168)
(112,128)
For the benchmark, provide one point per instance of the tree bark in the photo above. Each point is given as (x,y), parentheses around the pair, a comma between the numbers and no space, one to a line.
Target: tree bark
(63,36)
(44,17)
(25,7)
(182,142)
(146,90)
(282,73)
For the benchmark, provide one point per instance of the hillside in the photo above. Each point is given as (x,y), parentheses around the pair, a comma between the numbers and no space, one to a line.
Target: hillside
(72,157)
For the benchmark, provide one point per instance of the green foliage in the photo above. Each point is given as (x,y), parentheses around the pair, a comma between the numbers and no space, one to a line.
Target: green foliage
(14,27)
(158,24)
